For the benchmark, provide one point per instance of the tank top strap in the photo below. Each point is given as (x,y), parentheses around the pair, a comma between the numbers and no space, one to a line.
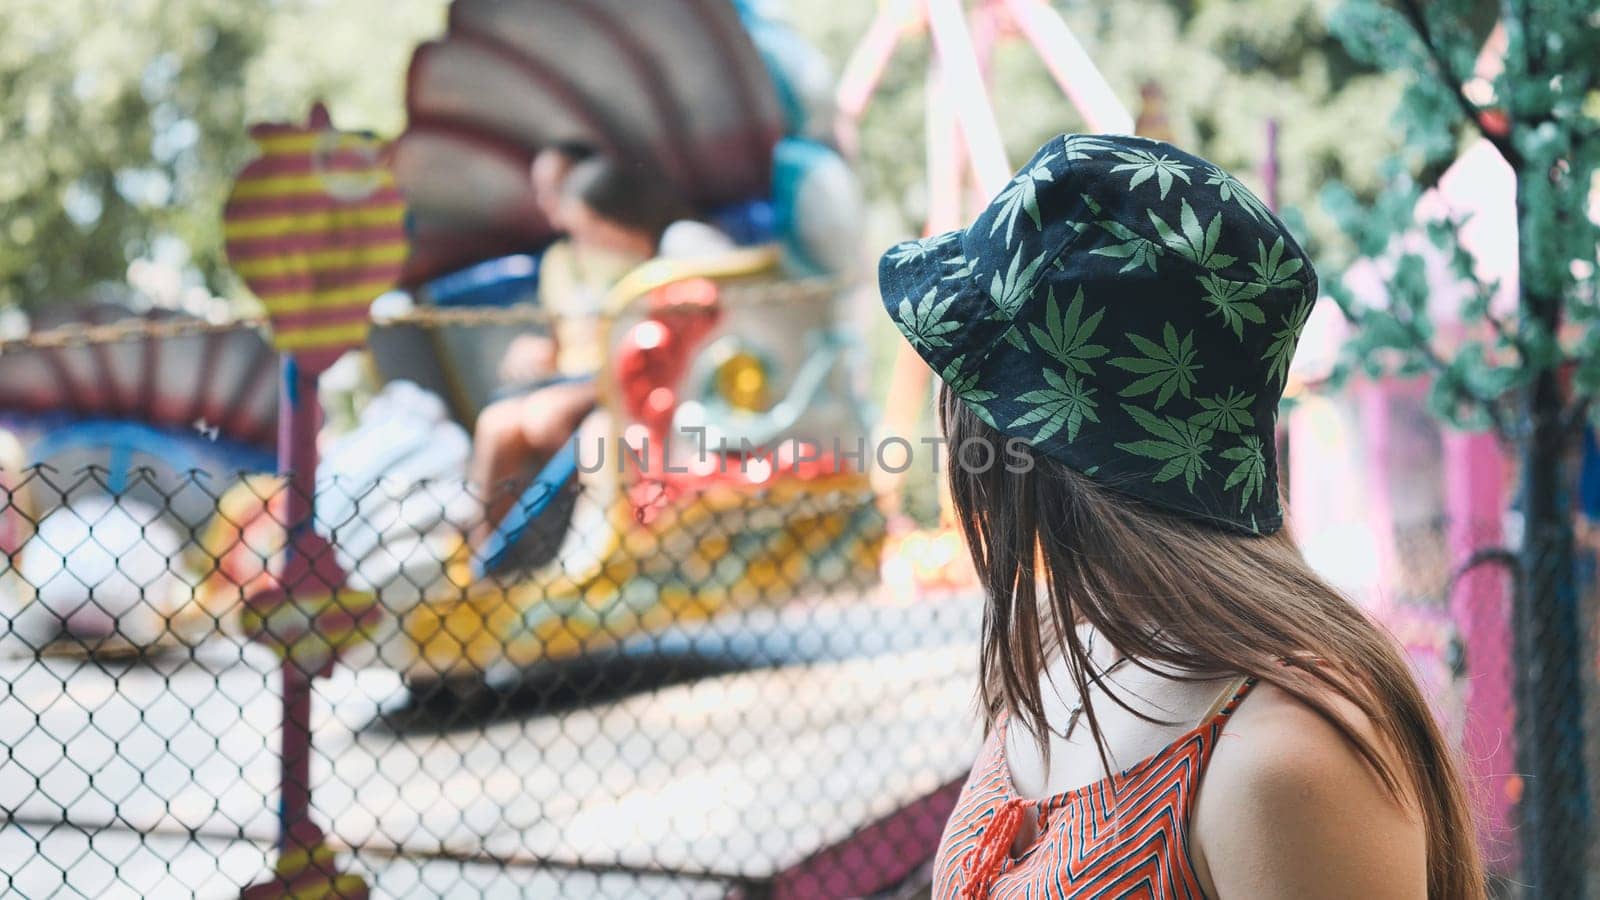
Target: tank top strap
(1229,699)
(1209,731)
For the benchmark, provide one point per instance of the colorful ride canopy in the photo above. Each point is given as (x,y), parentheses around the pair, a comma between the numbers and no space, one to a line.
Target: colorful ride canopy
(676,85)
(105,363)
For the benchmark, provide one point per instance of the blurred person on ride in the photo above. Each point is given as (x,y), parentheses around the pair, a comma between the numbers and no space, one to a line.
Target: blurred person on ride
(1175,704)
(613,214)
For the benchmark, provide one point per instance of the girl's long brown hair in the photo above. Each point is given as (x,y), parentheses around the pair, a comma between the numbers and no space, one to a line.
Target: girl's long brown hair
(1173,594)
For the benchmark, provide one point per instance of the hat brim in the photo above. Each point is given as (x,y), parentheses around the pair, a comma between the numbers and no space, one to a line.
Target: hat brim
(908,272)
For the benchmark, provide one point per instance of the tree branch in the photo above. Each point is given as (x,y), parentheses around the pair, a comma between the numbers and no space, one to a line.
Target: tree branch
(1483,293)
(1577,416)
(1532,53)
(1506,334)
(1497,419)
(1419,23)
(1499,326)
(1425,349)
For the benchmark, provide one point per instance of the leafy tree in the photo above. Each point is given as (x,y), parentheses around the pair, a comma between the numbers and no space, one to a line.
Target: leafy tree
(1531,375)
(108,145)
(122,122)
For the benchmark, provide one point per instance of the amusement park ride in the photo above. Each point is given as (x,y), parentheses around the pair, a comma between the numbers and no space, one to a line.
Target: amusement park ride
(360,547)
(738,115)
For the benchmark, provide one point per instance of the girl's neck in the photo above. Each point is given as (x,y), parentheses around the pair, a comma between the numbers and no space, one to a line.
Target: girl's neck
(616,242)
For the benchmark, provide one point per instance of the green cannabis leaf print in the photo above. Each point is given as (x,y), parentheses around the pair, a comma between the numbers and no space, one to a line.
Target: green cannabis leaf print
(1195,244)
(918,250)
(1250,471)
(1166,368)
(1082,146)
(1281,350)
(1013,331)
(1066,337)
(1182,445)
(1020,196)
(1145,165)
(1271,267)
(1229,188)
(1230,413)
(965,385)
(1065,403)
(1010,290)
(1234,301)
(1137,250)
(961,268)
(925,323)
(1014,337)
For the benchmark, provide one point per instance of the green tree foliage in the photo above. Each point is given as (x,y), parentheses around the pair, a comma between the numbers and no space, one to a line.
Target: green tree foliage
(123,121)
(109,136)
(1531,373)
(1546,121)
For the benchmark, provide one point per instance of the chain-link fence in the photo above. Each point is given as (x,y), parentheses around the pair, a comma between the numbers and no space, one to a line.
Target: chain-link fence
(707,696)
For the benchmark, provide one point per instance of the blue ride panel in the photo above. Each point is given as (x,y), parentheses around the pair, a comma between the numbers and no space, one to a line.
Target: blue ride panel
(121,439)
(495,282)
(546,487)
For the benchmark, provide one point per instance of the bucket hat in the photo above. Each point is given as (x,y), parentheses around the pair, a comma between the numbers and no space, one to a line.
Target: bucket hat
(1130,310)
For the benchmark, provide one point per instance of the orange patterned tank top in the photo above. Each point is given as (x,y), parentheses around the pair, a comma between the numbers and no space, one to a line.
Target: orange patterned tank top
(1126,836)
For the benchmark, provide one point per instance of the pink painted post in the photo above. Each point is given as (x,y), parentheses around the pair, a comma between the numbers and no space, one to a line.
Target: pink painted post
(1373,408)
(297,459)
(1269,167)
(1475,486)
(317,303)
(305,863)
(965,92)
(862,73)
(1070,66)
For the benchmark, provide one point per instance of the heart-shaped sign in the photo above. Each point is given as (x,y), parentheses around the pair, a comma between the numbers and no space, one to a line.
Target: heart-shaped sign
(315,226)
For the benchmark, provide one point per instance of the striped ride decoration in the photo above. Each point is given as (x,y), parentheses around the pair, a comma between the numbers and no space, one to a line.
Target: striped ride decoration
(308,870)
(309,620)
(315,226)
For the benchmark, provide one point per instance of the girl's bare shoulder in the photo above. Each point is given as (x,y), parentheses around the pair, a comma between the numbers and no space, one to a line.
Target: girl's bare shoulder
(1290,807)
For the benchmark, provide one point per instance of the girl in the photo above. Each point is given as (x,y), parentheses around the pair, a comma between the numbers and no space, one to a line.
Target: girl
(1175,704)
(613,213)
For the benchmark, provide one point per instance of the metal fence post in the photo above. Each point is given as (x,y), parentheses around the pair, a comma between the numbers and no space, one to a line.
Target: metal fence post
(297,616)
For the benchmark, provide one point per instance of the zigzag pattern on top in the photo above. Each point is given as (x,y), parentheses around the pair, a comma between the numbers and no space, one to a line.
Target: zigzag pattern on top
(1125,836)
